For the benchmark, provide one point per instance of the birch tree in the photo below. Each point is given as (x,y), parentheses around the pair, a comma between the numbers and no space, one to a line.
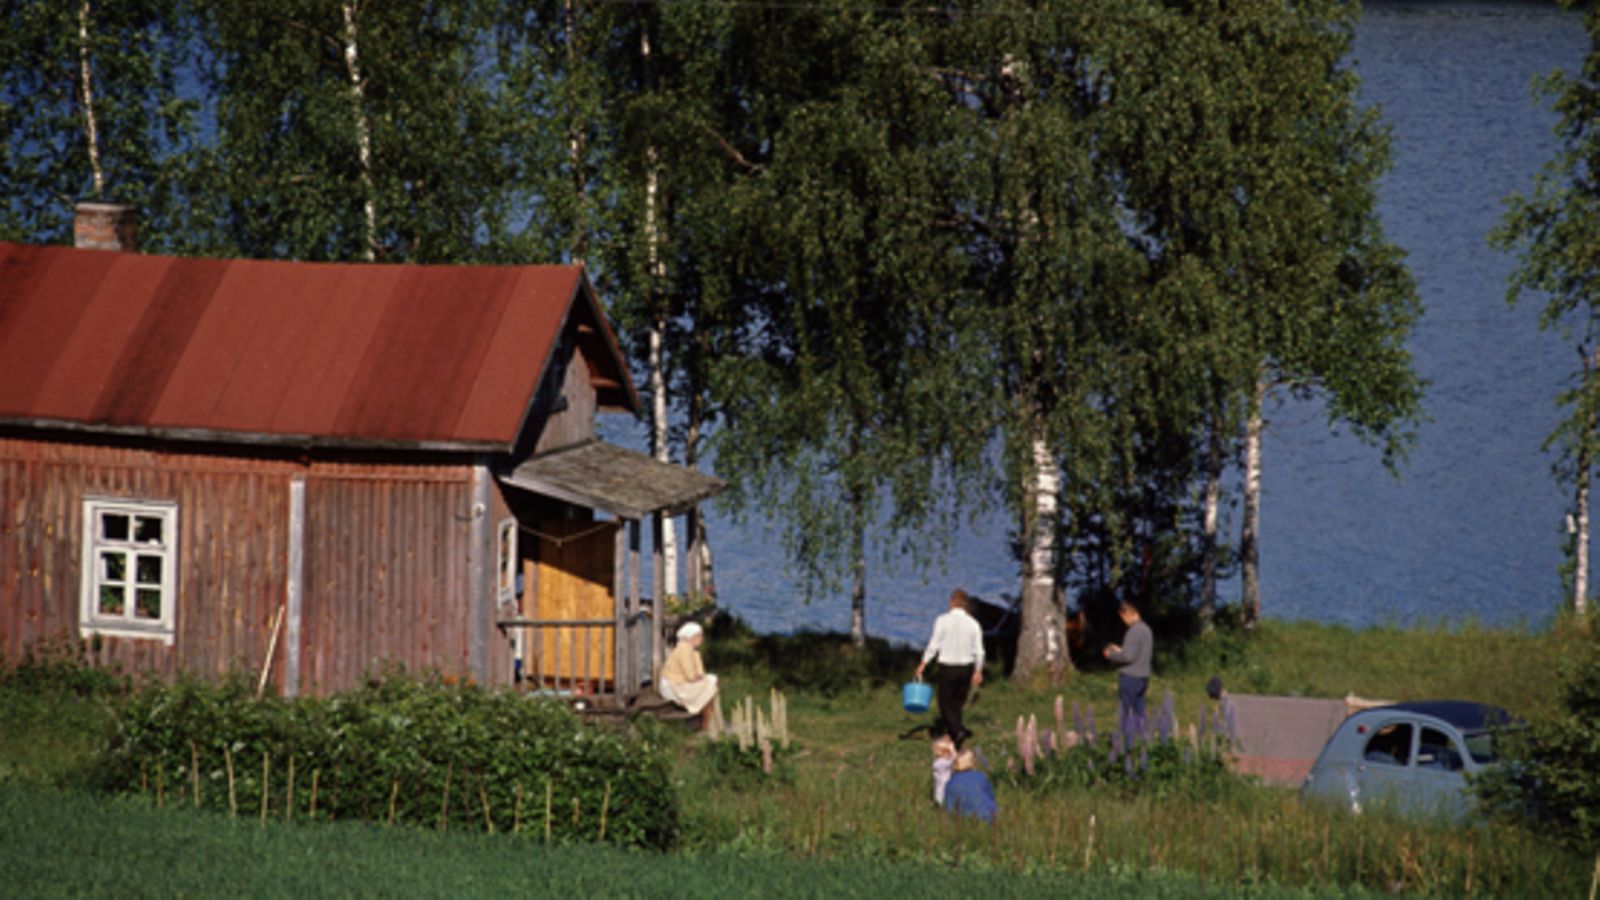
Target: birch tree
(1555,231)
(90,108)
(358,130)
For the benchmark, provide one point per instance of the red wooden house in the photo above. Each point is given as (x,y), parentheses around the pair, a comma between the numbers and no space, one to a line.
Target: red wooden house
(314,468)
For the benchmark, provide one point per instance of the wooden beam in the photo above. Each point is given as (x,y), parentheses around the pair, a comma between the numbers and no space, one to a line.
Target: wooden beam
(294,583)
(480,587)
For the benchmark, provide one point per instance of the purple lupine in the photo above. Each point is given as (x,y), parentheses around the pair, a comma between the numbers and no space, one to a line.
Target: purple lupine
(1116,746)
(1022,737)
(1047,743)
(1077,720)
(1127,764)
(1089,714)
(1169,717)
(1144,758)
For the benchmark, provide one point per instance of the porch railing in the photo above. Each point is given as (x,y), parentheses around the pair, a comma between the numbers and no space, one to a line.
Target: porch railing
(571,657)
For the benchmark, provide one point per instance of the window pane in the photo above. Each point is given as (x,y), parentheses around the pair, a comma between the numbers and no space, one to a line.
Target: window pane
(147,604)
(114,526)
(148,570)
(148,530)
(1435,750)
(111,600)
(113,565)
(1390,746)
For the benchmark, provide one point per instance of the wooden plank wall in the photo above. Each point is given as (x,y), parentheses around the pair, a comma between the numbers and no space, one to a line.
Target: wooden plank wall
(231,546)
(385,572)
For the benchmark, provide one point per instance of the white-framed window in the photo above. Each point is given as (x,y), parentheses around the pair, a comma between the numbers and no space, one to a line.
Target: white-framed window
(506,561)
(130,568)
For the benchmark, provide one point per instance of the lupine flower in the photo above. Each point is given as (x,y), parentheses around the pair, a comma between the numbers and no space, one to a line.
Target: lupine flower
(1077,720)
(1089,714)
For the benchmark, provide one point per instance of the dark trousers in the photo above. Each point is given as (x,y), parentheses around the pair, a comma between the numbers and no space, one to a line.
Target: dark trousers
(952,686)
(1130,705)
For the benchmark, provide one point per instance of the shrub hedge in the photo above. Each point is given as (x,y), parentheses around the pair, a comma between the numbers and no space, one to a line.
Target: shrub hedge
(401,749)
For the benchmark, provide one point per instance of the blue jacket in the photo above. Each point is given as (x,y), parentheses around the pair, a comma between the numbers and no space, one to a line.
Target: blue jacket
(970,794)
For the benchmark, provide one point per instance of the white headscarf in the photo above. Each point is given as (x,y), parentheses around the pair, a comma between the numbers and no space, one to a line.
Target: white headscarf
(688,630)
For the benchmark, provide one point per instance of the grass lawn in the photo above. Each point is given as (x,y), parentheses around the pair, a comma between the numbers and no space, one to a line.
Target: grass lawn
(851,814)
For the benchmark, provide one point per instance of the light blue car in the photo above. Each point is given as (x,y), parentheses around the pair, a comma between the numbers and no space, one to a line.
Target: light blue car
(1414,757)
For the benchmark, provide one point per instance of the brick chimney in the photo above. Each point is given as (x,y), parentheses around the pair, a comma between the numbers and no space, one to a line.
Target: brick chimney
(105,226)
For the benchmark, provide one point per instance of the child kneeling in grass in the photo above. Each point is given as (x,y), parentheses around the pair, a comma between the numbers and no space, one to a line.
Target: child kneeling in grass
(944,757)
(969,792)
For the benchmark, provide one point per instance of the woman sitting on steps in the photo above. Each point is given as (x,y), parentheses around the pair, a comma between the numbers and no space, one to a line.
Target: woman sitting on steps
(683,676)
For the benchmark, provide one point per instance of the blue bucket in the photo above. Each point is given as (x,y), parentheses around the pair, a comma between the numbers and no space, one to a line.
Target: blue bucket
(915,696)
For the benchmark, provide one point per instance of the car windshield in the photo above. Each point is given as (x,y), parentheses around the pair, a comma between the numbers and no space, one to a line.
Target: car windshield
(1481,744)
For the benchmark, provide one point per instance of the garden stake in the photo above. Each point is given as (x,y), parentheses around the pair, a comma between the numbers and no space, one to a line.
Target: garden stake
(483,797)
(233,799)
(516,811)
(394,794)
(577,806)
(288,801)
(605,806)
(1594,883)
(144,777)
(1088,847)
(194,770)
(266,774)
(549,788)
(315,773)
(161,794)
(444,807)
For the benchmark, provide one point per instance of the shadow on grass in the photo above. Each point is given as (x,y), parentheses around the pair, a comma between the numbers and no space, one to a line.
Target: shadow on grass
(817,662)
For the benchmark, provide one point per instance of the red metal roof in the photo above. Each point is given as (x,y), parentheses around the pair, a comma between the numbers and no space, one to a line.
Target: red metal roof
(335,353)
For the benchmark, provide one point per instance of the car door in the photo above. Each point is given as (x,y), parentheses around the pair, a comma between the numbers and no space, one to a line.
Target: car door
(1384,771)
(1440,774)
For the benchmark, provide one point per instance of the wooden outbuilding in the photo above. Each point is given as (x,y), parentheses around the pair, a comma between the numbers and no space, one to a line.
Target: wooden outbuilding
(313,469)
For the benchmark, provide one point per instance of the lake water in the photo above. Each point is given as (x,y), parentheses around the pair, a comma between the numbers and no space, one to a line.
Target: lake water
(1472,528)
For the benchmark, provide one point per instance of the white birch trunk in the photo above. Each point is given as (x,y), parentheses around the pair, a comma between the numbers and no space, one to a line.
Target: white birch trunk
(667,538)
(91,130)
(358,102)
(1580,538)
(1208,527)
(1249,554)
(858,586)
(1042,642)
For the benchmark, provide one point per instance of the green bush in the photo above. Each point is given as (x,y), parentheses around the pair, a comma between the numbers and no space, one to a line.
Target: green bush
(55,714)
(403,749)
(1551,770)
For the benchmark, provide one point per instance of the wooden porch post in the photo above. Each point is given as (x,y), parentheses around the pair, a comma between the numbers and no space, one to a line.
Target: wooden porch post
(658,604)
(635,632)
(622,666)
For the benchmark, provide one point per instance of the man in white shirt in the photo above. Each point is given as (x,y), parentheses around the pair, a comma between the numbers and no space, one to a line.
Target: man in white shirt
(957,643)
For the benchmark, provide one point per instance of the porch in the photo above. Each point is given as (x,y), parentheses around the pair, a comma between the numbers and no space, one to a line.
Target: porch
(571,604)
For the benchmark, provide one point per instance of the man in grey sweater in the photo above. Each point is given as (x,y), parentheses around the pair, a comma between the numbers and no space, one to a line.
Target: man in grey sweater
(1133,670)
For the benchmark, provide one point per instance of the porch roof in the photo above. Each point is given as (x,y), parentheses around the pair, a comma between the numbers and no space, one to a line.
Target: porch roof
(622,482)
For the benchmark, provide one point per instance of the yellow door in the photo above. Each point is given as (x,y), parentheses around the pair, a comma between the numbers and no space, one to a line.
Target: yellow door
(575,563)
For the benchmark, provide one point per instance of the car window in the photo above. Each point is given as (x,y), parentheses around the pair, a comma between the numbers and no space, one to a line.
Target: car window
(1390,745)
(1435,750)
(1481,744)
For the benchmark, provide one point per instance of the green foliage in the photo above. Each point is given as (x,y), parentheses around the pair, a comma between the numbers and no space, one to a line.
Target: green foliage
(738,769)
(1551,770)
(56,714)
(400,749)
